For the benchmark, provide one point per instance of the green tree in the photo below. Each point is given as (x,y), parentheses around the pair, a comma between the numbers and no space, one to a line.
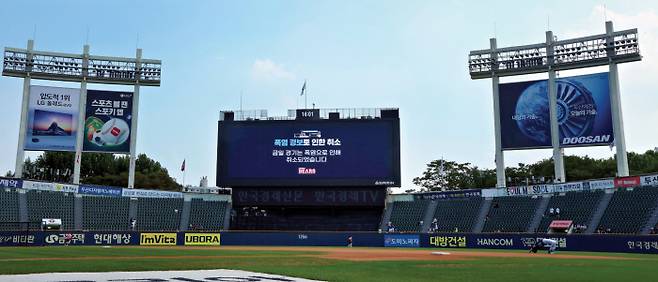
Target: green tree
(443,175)
(100,169)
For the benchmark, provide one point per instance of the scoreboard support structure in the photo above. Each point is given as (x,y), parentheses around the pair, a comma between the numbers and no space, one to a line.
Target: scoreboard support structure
(610,48)
(83,68)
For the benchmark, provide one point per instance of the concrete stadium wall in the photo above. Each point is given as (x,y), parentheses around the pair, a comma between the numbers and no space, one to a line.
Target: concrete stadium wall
(594,243)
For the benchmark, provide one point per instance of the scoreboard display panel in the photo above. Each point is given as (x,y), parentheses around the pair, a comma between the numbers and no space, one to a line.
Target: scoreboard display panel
(345,152)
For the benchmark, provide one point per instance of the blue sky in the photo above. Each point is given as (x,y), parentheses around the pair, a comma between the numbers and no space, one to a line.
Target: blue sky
(406,54)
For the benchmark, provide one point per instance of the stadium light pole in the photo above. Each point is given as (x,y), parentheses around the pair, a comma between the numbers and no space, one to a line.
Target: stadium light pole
(558,156)
(133,125)
(20,151)
(81,120)
(500,156)
(615,105)
(83,68)
(607,49)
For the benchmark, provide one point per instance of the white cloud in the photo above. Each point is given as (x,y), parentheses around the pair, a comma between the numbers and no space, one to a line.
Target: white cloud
(267,69)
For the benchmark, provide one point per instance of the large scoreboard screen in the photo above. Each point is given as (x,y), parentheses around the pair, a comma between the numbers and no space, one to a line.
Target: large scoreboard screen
(345,152)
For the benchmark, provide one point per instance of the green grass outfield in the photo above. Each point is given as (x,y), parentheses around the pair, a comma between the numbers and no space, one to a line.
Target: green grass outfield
(15,260)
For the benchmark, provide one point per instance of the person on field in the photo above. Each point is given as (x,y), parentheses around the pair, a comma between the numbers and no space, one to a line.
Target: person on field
(544,243)
(349,241)
(68,237)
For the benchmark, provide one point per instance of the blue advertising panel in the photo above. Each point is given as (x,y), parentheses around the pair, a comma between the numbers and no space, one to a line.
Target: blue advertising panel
(583,112)
(108,119)
(99,190)
(359,239)
(112,238)
(401,241)
(10,183)
(321,152)
(53,114)
(456,194)
(20,239)
(595,243)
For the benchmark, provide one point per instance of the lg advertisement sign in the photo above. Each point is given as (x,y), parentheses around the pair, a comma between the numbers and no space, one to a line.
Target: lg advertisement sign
(583,113)
(52,118)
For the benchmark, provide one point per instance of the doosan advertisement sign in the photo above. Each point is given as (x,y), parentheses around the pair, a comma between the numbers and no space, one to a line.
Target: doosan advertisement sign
(583,112)
(52,118)
(107,124)
(650,180)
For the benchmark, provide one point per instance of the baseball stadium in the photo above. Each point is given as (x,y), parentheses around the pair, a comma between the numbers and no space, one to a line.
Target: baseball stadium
(323,193)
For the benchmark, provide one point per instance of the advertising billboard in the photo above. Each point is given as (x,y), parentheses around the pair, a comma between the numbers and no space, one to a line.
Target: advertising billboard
(157,239)
(583,112)
(401,241)
(107,123)
(52,118)
(202,239)
(309,153)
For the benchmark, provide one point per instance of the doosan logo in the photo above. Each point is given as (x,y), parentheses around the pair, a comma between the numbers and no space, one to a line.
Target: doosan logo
(586,140)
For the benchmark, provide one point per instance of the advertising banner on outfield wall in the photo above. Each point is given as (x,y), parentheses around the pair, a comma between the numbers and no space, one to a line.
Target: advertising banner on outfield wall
(107,123)
(10,183)
(52,118)
(100,190)
(401,241)
(140,193)
(466,193)
(112,238)
(601,184)
(598,243)
(583,109)
(45,186)
(64,239)
(649,180)
(9,239)
(157,239)
(202,239)
(627,182)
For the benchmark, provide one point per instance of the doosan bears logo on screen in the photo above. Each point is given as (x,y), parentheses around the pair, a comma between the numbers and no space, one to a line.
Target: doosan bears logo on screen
(305,171)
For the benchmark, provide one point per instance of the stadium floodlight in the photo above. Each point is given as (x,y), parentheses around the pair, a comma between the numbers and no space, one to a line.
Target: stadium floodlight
(71,67)
(610,48)
(583,52)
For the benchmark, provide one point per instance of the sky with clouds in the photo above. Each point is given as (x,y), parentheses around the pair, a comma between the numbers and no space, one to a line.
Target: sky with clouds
(406,54)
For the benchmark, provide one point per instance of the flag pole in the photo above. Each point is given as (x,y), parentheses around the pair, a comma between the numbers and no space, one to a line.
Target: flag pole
(305,95)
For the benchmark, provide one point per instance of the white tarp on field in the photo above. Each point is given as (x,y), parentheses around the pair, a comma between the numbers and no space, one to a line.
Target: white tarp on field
(148,276)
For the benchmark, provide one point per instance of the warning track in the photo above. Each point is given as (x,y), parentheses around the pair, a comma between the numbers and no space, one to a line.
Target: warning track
(351,254)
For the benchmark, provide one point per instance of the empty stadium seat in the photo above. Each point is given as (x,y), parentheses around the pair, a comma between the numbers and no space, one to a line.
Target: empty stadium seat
(511,214)
(207,215)
(575,206)
(9,210)
(406,216)
(461,214)
(46,204)
(159,214)
(105,213)
(629,210)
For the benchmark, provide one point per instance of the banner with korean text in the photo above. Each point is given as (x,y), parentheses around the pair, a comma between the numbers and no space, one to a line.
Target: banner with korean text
(107,123)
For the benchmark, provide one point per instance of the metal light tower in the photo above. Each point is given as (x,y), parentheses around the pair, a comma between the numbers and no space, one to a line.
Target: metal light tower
(84,68)
(610,49)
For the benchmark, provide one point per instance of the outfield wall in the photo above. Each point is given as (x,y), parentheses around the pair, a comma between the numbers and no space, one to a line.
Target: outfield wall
(595,243)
